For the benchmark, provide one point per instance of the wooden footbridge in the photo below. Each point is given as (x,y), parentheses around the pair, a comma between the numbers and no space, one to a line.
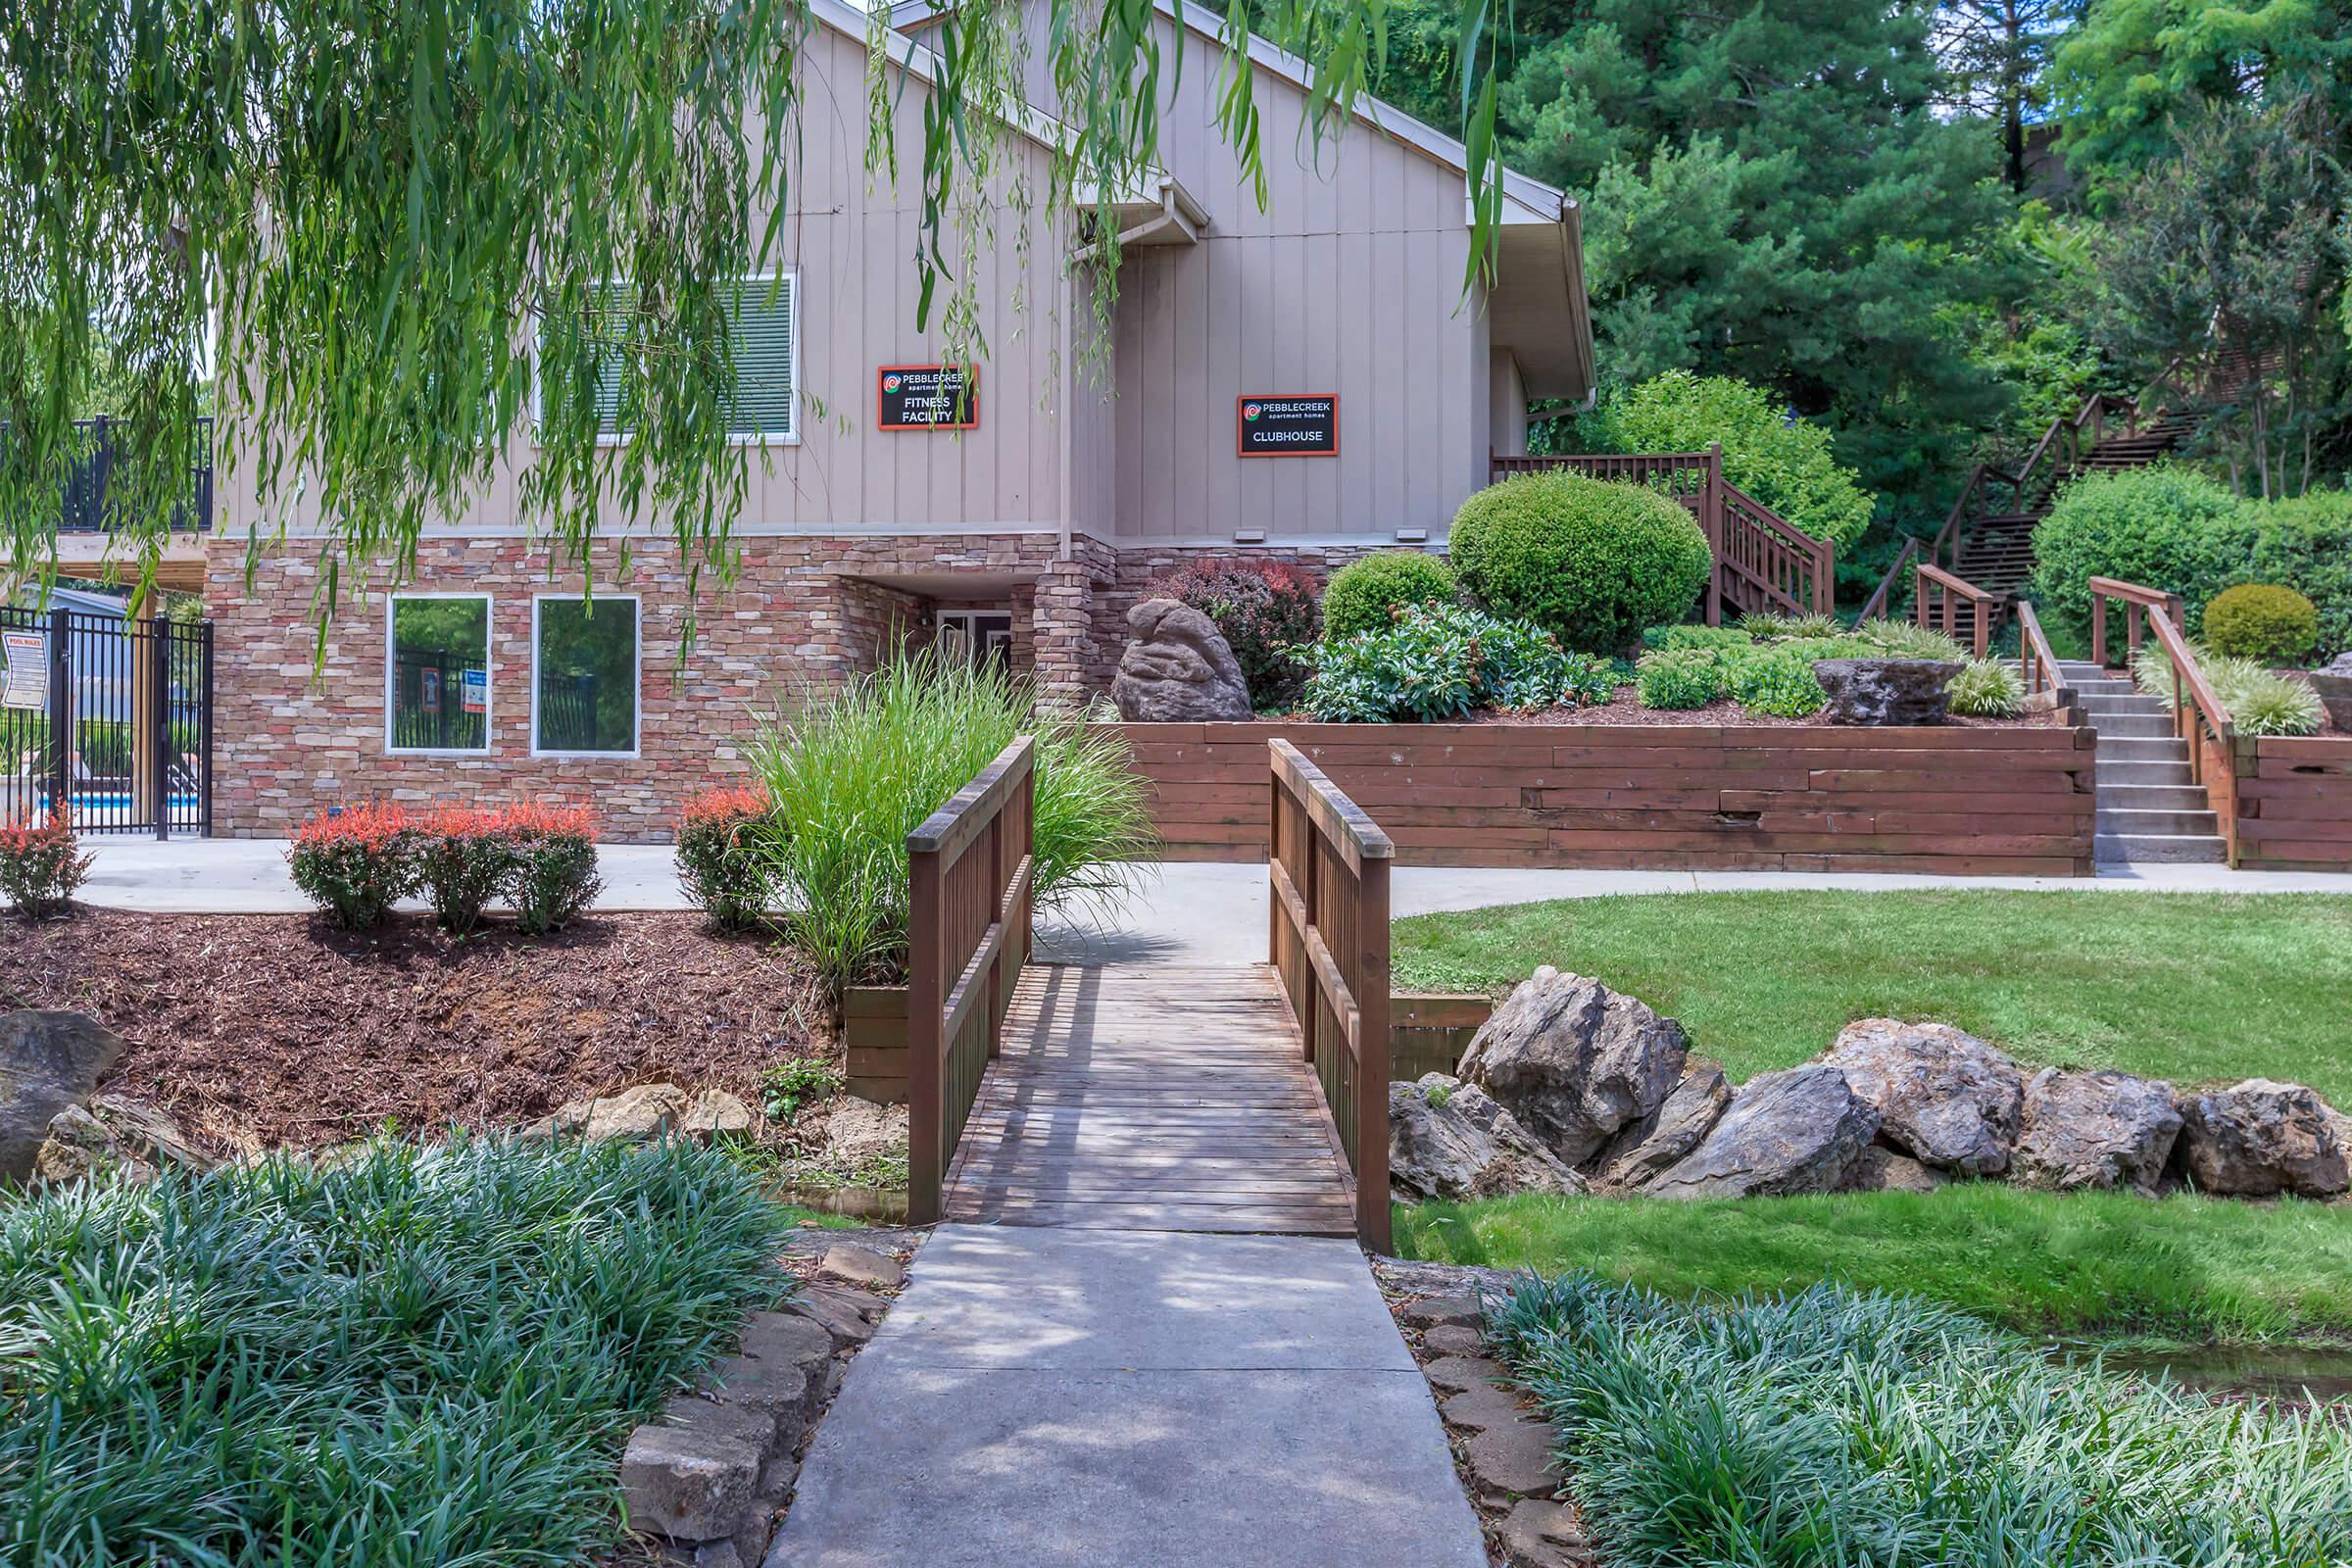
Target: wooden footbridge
(1143,1097)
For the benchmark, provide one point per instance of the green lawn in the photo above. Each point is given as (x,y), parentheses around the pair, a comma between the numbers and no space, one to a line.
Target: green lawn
(2196,988)
(2096,1264)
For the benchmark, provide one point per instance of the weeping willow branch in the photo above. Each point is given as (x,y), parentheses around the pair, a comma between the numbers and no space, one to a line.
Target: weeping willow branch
(402,246)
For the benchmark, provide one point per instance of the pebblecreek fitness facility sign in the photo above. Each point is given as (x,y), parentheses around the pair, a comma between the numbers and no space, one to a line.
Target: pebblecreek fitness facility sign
(1287,424)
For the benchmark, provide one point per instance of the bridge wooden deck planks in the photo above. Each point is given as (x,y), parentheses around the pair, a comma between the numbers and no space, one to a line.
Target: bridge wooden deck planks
(1145,1096)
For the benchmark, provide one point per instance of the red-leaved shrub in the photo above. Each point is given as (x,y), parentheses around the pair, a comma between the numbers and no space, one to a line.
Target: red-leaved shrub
(464,858)
(724,873)
(554,848)
(40,867)
(1264,608)
(356,861)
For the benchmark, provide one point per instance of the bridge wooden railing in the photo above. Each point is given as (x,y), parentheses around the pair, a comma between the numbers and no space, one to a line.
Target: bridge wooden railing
(2199,716)
(1936,602)
(971,868)
(1328,938)
(1763,563)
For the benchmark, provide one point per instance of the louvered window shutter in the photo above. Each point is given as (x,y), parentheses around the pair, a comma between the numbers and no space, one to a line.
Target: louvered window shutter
(767,323)
(615,321)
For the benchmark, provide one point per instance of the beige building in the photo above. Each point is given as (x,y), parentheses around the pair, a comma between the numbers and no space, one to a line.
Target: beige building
(1308,381)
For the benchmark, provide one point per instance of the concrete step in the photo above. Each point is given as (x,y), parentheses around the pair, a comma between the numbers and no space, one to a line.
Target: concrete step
(2114,774)
(2159,849)
(2142,749)
(2166,796)
(2121,704)
(2131,726)
(2138,824)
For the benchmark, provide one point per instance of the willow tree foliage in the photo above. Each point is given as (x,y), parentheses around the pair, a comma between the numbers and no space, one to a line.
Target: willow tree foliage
(393,240)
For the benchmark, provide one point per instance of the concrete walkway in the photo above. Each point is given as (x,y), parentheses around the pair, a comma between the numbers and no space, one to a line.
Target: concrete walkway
(1105,1399)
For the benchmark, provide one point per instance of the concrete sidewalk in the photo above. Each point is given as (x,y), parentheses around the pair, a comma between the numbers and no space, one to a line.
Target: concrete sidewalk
(1104,1399)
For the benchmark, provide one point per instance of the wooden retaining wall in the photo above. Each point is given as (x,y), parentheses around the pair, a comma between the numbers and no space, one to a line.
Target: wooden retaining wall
(2294,803)
(1957,801)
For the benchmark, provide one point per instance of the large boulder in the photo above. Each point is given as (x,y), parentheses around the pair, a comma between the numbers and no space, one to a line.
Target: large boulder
(2258,1139)
(1448,1140)
(2335,686)
(1178,668)
(49,1060)
(1882,1170)
(1886,691)
(1946,1099)
(2094,1130)
(1651,1146)
(1575,1061)
(1799,1131)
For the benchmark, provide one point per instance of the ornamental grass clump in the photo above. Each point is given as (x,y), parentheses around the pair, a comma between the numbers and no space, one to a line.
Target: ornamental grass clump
(356,861)
(849,776)
(1986,688)
(2261,701)
(1439,662)
(41,866)
(1837,1427)
(718,867)
(408,1355)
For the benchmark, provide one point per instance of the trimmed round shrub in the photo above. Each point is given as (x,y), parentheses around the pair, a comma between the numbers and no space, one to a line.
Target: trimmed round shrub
(1678,678)
(1264,608)
(2165,526)
(1366,594)
(1591,562)
(2263,622)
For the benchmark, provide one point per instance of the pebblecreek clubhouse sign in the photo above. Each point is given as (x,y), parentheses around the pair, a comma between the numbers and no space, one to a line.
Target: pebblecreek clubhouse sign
(1287,424)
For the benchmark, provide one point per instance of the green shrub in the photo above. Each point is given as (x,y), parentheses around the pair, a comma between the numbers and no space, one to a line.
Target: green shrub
(791,1085)
(853,775)
(1680,678)
(1905,639)
(1591,562)
(1448,661)
(2259,621)
(404,1355)
(2307,544)
(1771,628)
(554,878)
(2260,702)
(464,858)
(721,874)
(1787,464)
(355,862)
(41,866)
(1668,638)
(1834,1427)
(2166,527)
(1988,688)
(1778,681)
(1265,608)
(1366,594)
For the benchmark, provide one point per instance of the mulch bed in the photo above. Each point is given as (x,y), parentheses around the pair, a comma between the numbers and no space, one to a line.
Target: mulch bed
(1626,709)
(266,1030)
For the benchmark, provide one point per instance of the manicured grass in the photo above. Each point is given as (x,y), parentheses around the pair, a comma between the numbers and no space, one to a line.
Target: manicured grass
(2182,1267)
(410,1356)
(1832,1428)
(2194,988)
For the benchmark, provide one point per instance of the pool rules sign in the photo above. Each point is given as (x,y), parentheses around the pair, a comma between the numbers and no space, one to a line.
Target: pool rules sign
(25,682)
(1287,424)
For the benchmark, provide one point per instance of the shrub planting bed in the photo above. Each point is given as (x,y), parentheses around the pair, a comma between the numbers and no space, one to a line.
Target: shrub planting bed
(266,1030)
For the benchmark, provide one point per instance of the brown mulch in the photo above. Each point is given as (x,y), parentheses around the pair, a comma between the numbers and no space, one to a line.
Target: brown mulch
(265,1030)
(1626,709)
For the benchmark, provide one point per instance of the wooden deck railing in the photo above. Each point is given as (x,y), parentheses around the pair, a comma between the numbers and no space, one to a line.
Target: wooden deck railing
(1328,937)
(2199,716)
(969,872)
(1763,563)
(1936,602)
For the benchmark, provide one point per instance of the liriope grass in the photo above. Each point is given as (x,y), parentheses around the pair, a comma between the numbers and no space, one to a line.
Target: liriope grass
(411,1356)
(854,773)
(1834,1427)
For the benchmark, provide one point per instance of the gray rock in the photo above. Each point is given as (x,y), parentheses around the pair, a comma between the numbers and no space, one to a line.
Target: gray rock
(1647,1149)
(1455,1373)
(787,1337)
(2333,683)
(1543,1535)
(644,1113)
(1798,1131)
(1511,1460)
(1574,1061)
(2094,1130)
(2258,1139)
(1886,691)
(80,1145)
(715,1116)
(742,1423)
(1431,1310)
(1178,668)
(861,1265)
(1946,1099)
(1481,1407)
(787,1390)
(687,1483)
(838,1312)
(1453,1339)
(1449,1140)
(49,1060)
(1882,1170)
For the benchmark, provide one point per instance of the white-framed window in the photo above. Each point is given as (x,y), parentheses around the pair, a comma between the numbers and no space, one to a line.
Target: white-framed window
(437,674)
(586,655)
(764,326)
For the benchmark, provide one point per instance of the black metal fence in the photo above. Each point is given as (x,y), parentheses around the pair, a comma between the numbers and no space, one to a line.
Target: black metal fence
(433,708)
(109,717)
(84,505)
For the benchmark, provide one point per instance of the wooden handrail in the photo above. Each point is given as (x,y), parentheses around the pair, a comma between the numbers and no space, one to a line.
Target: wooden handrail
(2138,603)
(971,870)
(1874,607)
(2199,716)
(1950,590)
(2038,667)
(1327,936)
